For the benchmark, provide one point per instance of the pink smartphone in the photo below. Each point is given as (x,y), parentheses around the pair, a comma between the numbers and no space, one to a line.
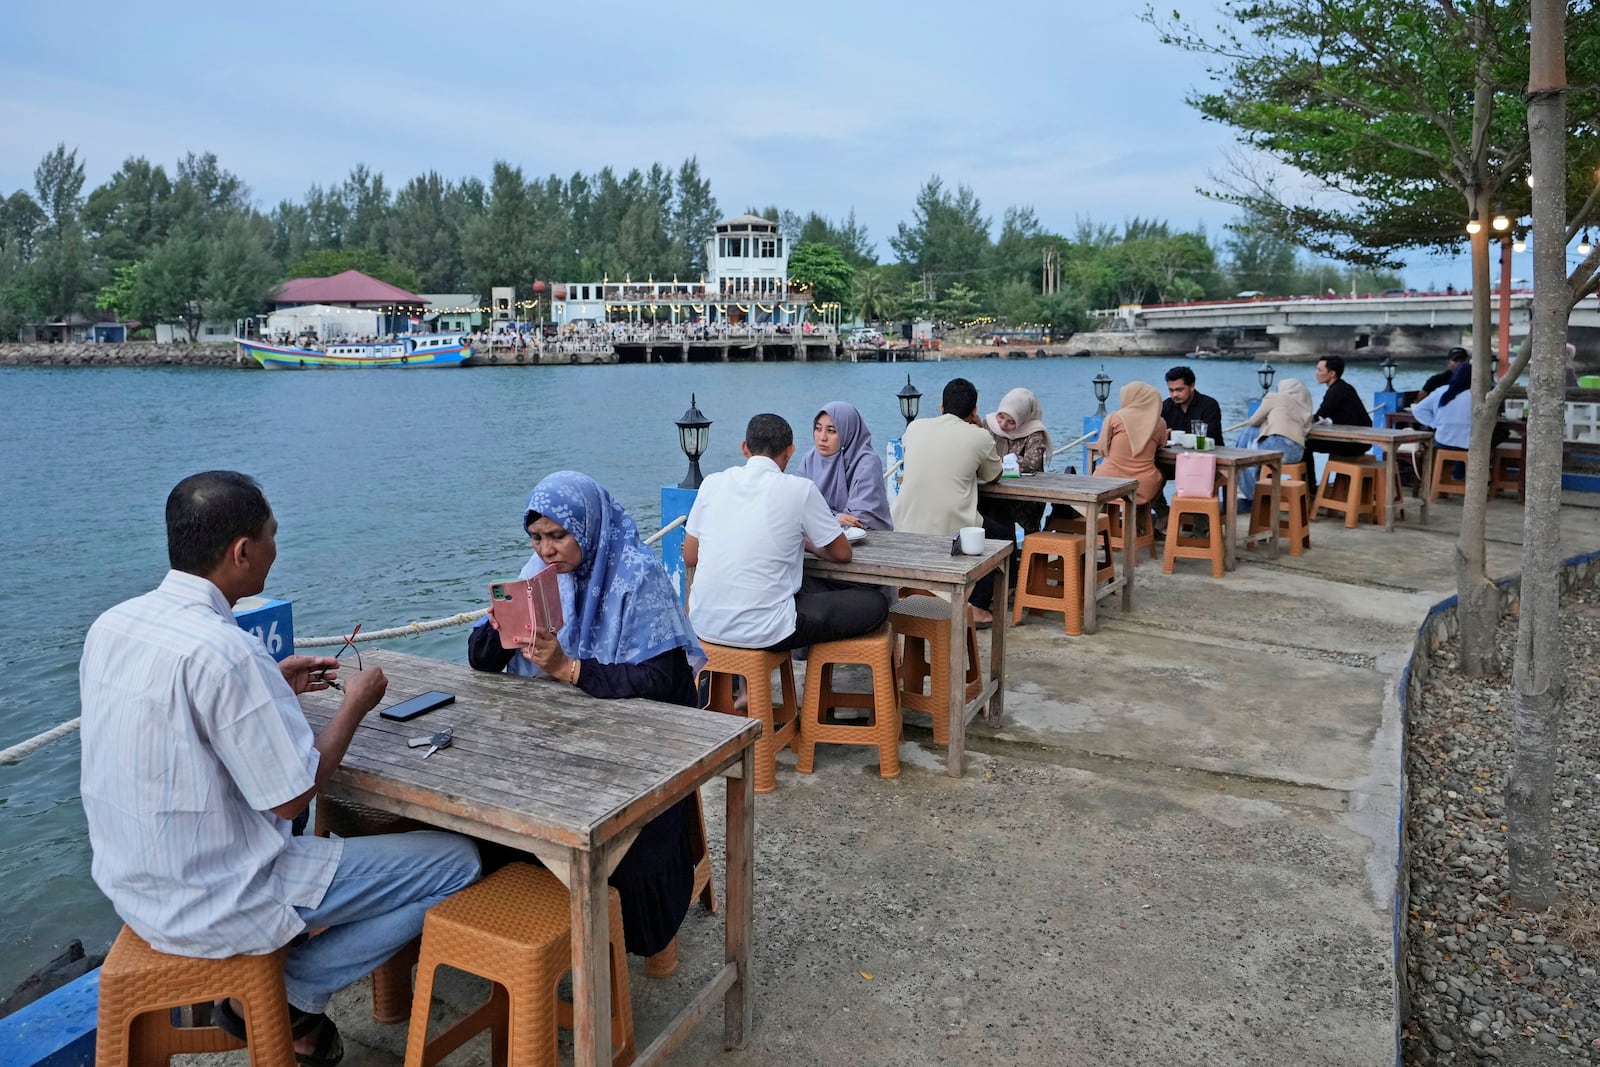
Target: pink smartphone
(525,607)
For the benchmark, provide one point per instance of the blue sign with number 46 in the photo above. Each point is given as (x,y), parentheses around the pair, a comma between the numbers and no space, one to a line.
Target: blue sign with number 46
(271,620)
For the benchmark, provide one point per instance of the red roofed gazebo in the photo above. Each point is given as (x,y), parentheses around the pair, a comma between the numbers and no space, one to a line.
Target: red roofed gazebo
(349,289)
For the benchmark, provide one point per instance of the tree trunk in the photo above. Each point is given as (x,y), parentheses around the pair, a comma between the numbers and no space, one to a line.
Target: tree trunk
(1478,599)
(1538,670)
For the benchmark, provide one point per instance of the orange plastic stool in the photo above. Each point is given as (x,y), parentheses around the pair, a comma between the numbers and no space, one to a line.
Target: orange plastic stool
(1350,488)
(515,929)
(1506,474)
(1105,556)
(1444,461)
(139,986)
(1294,513)
(923,621)
(723,664)
(1144,528)
(881,731)
(1051,578)
(1193,546)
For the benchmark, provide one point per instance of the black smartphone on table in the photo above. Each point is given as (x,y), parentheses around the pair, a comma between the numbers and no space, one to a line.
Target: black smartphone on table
(417,705)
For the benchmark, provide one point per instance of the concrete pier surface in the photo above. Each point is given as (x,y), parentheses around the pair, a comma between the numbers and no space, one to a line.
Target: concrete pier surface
(1178,847)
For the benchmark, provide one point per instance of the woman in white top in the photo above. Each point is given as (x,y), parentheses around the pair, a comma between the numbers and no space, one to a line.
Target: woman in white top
(1280,424)
(1449,410)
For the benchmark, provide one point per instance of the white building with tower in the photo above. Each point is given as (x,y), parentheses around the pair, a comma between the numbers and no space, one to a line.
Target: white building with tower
(746,282)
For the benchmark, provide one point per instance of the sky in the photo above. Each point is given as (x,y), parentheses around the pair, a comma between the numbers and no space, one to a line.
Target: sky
(1071,107)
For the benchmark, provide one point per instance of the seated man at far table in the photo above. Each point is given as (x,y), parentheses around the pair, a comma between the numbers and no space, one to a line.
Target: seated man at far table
(946,460)
(197,757)
(747,536)
(1341,406)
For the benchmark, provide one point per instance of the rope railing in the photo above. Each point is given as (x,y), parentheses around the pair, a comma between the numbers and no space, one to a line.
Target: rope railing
(17,751)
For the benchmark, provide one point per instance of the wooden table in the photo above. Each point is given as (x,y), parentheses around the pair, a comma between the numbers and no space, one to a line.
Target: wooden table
(544,768)
(924,561)
(1090,493)
(1230,461)
(1390,441)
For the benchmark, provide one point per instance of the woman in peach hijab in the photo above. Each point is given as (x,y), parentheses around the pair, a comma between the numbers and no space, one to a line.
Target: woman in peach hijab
(1130,438)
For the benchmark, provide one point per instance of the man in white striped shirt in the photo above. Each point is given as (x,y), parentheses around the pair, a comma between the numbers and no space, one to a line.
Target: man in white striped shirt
(196,757)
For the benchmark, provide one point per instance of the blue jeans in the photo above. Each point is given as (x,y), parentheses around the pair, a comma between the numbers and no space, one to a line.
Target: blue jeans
(374,905)
(1248,438)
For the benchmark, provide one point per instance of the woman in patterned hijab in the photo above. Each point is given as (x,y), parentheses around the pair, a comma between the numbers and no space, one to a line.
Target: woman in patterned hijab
(625,635)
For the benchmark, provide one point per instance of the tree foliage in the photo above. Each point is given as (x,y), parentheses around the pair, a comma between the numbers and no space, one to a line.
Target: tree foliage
(823,269)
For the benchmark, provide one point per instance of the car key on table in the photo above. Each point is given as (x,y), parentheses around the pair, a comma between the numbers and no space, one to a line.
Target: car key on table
(442,739)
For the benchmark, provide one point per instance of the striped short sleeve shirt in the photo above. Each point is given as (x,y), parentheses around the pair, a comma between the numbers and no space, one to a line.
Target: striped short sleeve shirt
(190,737)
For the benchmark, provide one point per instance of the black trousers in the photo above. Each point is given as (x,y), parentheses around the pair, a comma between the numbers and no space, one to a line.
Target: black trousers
(826,610)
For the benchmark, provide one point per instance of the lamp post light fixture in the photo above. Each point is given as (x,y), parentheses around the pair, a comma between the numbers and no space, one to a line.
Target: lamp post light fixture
(1389,367)
(910,400)
(694,434)
(1102,390)
(1264,374)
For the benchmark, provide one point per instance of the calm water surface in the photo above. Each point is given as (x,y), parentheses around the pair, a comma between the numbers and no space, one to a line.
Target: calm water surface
(399,498)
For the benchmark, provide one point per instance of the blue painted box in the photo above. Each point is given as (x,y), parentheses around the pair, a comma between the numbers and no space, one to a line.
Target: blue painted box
(271,620)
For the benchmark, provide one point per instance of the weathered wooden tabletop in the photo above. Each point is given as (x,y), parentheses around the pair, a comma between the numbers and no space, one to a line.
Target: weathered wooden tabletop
(889,556)
(1227,455)
(1052,488)
(530,757)
(1371,435)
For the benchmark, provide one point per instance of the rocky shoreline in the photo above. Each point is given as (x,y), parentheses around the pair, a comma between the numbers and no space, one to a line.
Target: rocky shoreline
(1490,983)
(130,354)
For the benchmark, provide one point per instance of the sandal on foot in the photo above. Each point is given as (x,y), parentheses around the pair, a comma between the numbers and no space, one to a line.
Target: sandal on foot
(227,1020)
(329,1047)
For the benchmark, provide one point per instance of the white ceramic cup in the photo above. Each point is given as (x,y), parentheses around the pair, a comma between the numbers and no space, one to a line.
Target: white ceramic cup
(1188,440)
(971,540)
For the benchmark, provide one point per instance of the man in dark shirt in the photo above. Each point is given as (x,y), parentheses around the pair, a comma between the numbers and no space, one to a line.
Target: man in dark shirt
(1342,406)
(1185,405)
(1455,358)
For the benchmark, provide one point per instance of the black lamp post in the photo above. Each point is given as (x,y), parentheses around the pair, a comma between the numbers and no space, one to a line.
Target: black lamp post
(1389,367)
(910,401)
(1264,374)
(694,434)
(1102,389)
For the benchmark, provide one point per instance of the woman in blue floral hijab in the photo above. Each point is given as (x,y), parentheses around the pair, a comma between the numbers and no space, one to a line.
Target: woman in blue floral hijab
(625,635)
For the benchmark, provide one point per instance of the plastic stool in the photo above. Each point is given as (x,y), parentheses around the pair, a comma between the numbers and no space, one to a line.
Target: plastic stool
(923,621)
(139,986)
(1505,476)
(1349,487)
(723,664)
(1145,527)
(515,929)
(1194,546)
(1294,513)
(1444,463)
(1051,584)
(882,730)
(1105,556)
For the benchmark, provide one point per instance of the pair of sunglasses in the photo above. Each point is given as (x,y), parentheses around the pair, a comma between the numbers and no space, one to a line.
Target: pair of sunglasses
(349,642)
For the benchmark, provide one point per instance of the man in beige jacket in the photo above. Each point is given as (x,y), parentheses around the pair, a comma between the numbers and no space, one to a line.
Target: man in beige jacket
(946,459)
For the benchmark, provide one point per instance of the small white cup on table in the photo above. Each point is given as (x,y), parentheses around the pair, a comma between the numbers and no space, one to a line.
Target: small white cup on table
(972,540)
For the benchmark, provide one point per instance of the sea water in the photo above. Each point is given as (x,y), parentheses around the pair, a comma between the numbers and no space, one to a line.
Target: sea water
(399,497)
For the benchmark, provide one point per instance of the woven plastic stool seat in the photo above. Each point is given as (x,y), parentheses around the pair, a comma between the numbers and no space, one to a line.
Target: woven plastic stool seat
(1105,555)
(923,622)
(1505,476)
(1193,545)
(881,730)
(1294,513)
(139,986)
(515,929)
(1350,488)
(1050,578)
(1444,473)
(723,664)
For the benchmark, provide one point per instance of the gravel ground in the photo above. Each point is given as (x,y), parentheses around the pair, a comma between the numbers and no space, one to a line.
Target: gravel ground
(1491,983)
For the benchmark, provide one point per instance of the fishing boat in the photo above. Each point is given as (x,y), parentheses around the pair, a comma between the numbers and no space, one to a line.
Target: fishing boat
(410,350)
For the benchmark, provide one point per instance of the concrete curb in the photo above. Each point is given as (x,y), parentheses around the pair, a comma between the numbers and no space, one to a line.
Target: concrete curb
(1437,627)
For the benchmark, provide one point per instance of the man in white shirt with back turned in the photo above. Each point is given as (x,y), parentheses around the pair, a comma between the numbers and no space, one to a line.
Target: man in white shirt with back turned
(746,538)
(197,757)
